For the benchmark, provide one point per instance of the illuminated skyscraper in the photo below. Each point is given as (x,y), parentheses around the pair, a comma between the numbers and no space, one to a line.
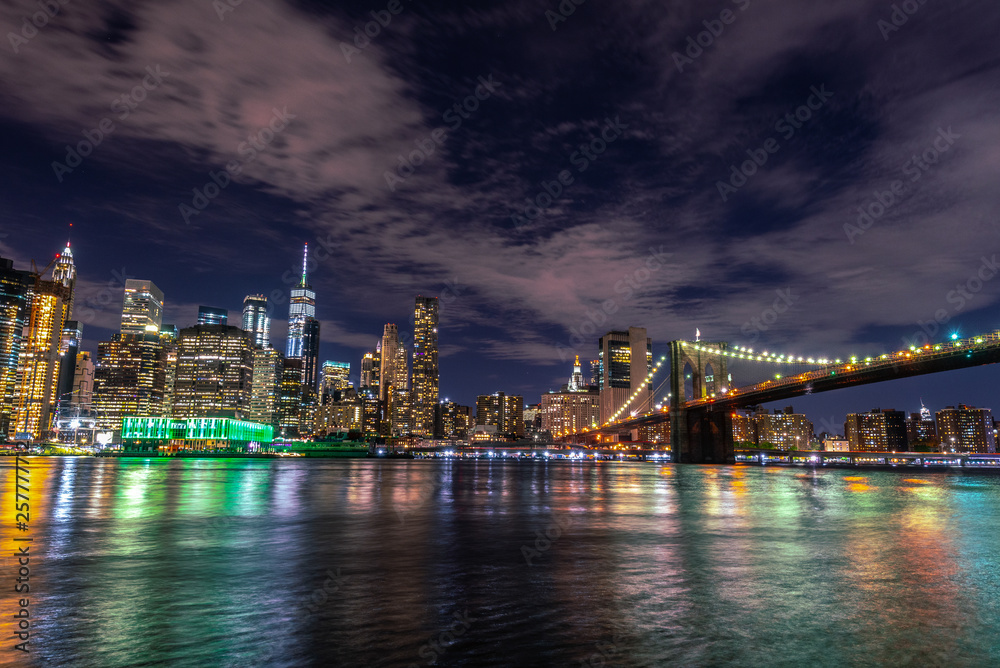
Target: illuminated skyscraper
(504,412)
(301,308)
(371,369)
(625,358)
(69,346)
(266,385)
(256,321)
(15,286)
(65,272)
(336,378)
(129,378)
(212,315)
(966,429)
(38,365)
(425,364)
(214,371)
(142,307)
(879,430)
(391,375)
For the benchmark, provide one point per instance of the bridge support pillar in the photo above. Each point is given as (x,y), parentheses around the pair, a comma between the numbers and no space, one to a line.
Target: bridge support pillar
(701,437)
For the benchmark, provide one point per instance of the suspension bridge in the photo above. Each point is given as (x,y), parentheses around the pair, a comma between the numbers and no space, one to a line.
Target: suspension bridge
(703,393)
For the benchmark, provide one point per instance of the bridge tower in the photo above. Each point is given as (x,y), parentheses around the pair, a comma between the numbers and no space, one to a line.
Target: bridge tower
(699,435)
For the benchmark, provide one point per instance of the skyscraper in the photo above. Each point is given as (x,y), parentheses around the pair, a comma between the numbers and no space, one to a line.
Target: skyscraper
(142,307)
(390,375)
(371,369)
(256,321)
(69,346)
(504,412)
(214,371)
(38,365)
(425,364)
(65,272)
(268,366)
(301,308)
(212,315)
(14,288)
(310,355)
(625,358)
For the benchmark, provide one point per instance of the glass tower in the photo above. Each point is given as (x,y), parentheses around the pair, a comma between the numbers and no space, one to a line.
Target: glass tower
(425,364)
(301,309)
(143,306)
(256,321)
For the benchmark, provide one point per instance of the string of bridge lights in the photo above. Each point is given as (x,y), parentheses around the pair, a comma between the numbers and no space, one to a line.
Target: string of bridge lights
(635,394)
(748,354)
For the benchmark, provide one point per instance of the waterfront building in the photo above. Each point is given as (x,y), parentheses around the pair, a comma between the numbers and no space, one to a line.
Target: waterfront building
(400,412)
(505,413)
(452,420)
(879,430)
(394,374)
(265,385)
(371,412)
(425,364)
(290,398)
(966,429)
(784,430)
(15,287)
(625,359)
(532,418)
(166,435)
(168,336)
(344,414)
(212,315)
(836,444)
(214,372)
(142,306)
(129,378)
(38,362)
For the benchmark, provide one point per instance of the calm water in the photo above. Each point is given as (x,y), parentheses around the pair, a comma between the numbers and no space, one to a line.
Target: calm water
(224,563)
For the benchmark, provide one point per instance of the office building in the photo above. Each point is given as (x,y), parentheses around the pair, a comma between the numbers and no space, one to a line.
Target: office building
(452,420)
(879,430)
(303,328)
(265,385)
(83,380)
(212,315)
(625,359)
(214,372)
(15,286)
(966,429)
(336,378)
(290,398)
(256,321)
(425,364)
(920,428)
(38,364)
(69,347)
(394,373)
(783,430)
(502,412)
(129,378)
(564,413)
(371,369)
(142,307)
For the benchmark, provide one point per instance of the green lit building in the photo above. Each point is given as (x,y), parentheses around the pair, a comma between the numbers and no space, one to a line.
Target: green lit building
(166,435)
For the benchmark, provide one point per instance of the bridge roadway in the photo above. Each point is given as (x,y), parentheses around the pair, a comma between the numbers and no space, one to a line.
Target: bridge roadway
(974,351)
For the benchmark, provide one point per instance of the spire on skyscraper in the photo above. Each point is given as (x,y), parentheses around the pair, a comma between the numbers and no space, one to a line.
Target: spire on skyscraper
(305,262)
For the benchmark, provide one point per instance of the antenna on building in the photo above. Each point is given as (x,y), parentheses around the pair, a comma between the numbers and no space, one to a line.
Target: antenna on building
(305,260)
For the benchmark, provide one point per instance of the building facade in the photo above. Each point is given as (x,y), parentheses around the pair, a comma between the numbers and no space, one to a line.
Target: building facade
(966,429)
(212,315)
(425,364)
(15,287)
(214,372)
(142,307)
(625,359)
(879,430)
(256,321)
(502,412)
(129,378)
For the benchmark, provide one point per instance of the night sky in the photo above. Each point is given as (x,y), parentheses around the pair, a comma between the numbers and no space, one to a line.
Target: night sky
(528,162)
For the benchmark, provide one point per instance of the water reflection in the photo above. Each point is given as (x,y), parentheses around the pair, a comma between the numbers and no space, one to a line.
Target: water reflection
(223,562)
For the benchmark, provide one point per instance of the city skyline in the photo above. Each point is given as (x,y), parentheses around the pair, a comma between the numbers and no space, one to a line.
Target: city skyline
(806,205)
